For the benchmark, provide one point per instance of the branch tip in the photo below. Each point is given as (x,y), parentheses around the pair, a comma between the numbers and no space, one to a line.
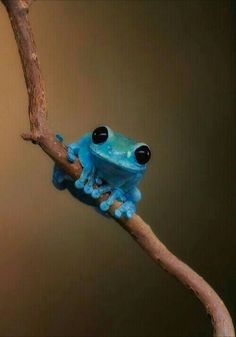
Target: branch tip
(29,137)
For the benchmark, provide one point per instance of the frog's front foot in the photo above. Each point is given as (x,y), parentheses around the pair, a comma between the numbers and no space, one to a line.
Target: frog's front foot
(85,181)
(115,194)
(88,187)
(97,192)
(127,209)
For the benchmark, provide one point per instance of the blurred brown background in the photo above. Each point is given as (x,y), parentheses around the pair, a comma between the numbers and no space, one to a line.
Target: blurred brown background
(161,72)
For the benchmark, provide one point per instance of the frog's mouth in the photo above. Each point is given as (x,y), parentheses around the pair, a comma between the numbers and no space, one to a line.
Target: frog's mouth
(119,165)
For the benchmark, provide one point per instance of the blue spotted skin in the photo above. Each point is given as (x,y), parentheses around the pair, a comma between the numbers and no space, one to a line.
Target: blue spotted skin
(111,165)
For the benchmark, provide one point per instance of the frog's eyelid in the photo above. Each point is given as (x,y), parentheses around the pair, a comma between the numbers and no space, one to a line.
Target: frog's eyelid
(110,132)
(140,144)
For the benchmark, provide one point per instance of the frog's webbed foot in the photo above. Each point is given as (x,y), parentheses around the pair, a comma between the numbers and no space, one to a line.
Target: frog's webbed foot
(88,186)
(59,178)
(127,209)
(86,178)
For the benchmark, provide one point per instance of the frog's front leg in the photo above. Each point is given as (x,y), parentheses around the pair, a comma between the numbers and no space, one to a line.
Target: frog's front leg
(72,152)
(81,182)
(80,150)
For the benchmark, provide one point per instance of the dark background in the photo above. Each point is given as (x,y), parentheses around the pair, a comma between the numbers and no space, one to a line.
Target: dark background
(160,72)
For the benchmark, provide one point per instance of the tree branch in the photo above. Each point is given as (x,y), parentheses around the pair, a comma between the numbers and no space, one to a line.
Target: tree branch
(136,227)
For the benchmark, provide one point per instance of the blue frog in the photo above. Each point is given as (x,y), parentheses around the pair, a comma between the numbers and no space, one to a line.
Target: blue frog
(113,162)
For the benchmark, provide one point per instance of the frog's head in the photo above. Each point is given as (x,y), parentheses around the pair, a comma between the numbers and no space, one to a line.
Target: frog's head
(113,148)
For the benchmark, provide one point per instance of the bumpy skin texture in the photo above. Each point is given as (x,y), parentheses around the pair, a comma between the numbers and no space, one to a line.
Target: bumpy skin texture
(111,165)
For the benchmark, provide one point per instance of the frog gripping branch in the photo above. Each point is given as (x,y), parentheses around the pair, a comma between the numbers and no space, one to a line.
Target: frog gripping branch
(82,177)
(109,157)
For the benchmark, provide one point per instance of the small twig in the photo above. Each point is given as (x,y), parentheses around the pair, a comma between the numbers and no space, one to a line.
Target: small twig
(45,138)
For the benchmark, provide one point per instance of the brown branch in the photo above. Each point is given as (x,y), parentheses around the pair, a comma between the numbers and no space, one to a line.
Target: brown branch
(42,135)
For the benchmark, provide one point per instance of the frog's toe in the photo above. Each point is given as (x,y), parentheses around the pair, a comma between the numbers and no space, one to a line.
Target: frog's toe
(127,209)
(96,193)
(70,157)
(118,213)
(79,184)
(98,181)
(104,206)
(70,154)
(116,193)
(88,189)
(129,214)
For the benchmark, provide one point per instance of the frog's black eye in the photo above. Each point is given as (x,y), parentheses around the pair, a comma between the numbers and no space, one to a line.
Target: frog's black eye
(142,154)
(100,135)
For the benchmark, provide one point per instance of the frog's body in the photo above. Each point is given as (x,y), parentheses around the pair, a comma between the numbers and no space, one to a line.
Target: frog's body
(109,159)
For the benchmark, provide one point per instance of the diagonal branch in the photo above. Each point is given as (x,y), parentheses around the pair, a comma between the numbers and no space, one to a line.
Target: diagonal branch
(136,227)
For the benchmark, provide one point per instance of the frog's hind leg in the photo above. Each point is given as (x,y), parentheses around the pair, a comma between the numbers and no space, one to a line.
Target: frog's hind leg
(58,178)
